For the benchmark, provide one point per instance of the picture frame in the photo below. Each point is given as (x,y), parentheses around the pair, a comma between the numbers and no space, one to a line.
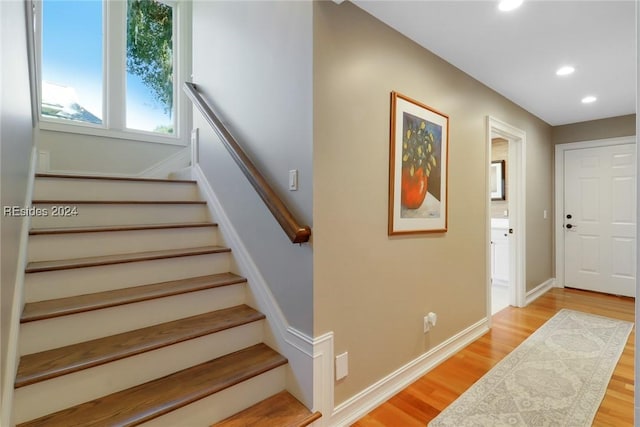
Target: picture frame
(418,167)
(497,180)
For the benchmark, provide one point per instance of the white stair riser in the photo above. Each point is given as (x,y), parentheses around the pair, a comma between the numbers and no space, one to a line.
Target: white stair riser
(62,331)
(87,214)
(77,245)
(35,400)
(98,189)
(79,281)
(225,403)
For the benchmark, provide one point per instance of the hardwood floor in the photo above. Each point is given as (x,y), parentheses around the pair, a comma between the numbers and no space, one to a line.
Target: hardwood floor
(426,398)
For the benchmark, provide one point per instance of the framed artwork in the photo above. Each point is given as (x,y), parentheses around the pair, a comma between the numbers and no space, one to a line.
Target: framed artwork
(497,180)
(418,164)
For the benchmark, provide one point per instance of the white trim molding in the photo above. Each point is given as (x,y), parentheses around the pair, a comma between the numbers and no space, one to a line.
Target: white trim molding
(517,209)
(359,405)
(540,290)
(323,385)
(167,166)
(560,149)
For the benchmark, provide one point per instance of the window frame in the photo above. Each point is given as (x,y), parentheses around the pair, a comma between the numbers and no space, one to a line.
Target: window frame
(115,76)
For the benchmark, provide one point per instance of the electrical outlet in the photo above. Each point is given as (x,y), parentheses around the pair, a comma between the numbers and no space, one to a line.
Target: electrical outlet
(433,318)
(429,321)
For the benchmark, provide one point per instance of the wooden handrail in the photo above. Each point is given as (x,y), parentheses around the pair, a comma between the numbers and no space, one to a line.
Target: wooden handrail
(296,233)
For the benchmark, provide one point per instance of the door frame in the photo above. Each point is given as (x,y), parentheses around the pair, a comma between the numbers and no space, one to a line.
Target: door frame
(516,197)
(559,193)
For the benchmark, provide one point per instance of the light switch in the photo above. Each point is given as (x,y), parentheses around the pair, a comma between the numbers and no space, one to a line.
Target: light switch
(293,179)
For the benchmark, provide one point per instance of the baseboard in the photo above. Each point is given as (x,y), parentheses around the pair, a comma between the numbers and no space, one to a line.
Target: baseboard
(539,290)
(165,167)
(297,347)
(359,405)
(13,358)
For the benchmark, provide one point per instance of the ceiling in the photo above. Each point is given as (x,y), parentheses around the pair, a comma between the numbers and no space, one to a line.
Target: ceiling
(517,53)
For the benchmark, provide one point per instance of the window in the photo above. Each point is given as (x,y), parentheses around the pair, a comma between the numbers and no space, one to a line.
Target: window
(149,66)
(72,46)
(109,66)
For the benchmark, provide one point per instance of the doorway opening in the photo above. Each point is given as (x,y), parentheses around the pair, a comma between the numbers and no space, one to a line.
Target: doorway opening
(506,233)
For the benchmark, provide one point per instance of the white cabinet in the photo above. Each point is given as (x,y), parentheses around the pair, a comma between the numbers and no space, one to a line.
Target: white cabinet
(500,256)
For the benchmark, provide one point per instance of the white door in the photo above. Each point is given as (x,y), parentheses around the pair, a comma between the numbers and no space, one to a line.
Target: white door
(600,219)
(500,256)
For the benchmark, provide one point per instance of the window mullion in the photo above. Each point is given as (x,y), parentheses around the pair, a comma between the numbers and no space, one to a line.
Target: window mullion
(114,60)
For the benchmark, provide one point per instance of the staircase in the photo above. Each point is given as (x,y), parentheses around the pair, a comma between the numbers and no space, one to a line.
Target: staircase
(133,315)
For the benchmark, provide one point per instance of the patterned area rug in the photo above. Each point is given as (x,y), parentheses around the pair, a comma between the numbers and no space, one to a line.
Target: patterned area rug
(556,377)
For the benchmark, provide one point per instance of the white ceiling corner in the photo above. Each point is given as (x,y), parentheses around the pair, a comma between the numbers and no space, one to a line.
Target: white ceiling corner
(517,53)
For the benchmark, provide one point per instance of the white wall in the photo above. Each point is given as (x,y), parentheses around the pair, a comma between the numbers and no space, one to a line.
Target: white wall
(16,142)
(253,61)
(77,153)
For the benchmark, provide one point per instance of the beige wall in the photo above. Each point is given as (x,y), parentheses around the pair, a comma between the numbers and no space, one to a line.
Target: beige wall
(373,290)
(612,127)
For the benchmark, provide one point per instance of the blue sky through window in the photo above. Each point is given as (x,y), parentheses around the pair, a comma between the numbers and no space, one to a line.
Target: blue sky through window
(72,57)
(72,49)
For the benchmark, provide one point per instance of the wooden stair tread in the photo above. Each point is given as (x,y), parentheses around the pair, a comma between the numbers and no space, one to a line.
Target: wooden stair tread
(280,410)
(107,228)
(114,178)
(52,363)
(117,202)
(39,266)
(77,304)
(150,400)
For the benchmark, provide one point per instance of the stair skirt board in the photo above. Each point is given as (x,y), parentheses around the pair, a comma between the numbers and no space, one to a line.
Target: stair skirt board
(118,214)
(66,330)
(225,403)
(102,380)
(80,281)
(100,189)
(76,245)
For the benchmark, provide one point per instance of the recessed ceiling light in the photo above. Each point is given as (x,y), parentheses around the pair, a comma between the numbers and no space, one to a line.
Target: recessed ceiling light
(566,70)
(589,99)
(507,5)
